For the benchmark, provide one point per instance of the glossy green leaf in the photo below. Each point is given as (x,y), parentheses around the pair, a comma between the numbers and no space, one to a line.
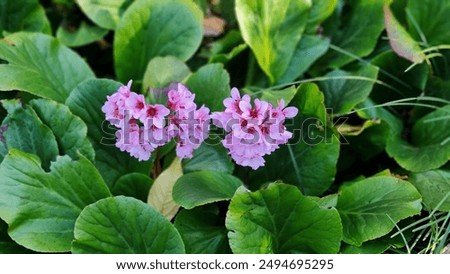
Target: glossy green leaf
(320,10)
(151,28)
(84,35)
(40,65)
(403,84)
(430,143)
(7,245)
(211,84)
(69,130)
(274,96)
(202,230)
(22,15)
(136,185)
(160,195)
(204,187)
(105,13)
(428,21)
(358,34)
(124,225)
(86,102)
(343,94)
(280,219)
(309,161)
(161,71)
(308,50)
(26,132)
(41,208)
(370,208)
(434,186)
(272,29)
(207,154)
(401,42)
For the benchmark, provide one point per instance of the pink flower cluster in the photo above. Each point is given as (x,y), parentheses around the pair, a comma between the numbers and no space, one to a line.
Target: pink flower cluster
(253,131)
(142,127)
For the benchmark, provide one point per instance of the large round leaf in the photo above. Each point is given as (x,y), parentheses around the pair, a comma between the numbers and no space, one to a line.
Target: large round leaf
(22,15)
(342,94)
(105,13)
(136,185)
(370,208)
(161,71)
(272,29)
(280,219)
(202,230)
(39,64)
(86,102)
(84,35)
(151,28)
(41,208)
(357,34)
(430,143)
(434,186)
(124,225)
(204,187)
(428,21)
(24,130)
(211,85)
(69,130)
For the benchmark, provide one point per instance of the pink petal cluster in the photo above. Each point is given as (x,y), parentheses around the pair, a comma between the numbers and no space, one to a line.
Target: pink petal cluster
(142,127)
(253,131)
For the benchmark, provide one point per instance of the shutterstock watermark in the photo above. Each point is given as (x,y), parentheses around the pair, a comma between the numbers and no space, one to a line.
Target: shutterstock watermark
(310,131)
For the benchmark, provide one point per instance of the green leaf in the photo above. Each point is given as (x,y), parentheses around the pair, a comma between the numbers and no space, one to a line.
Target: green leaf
(136,185)
(161,71)
(26,132)
(320,10)
(430,143)
(211,85)
(226,48)
(434,186)
(370,208)
(41,208)
(428,21)
(84,35)
(151,28)
(207,154)
(404,84)
(22,15)
(359,33)
(202,230)
(105,13)
(121,225)
(308,50)
(69,130)
(160,195)
(272,30)
(401,42)
(7,245)
(274,96)
(86,102)
(309,161)
(40,65)
(341,94)
(204,187)
(280,219)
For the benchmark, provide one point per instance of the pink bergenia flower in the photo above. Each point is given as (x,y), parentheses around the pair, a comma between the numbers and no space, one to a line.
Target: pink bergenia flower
(187,125)
(253,131)
(114,107)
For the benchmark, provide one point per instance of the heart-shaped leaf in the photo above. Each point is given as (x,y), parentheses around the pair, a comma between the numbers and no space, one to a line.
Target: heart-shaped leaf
(370,208)
(124,225)
(41,208)
(280,219)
